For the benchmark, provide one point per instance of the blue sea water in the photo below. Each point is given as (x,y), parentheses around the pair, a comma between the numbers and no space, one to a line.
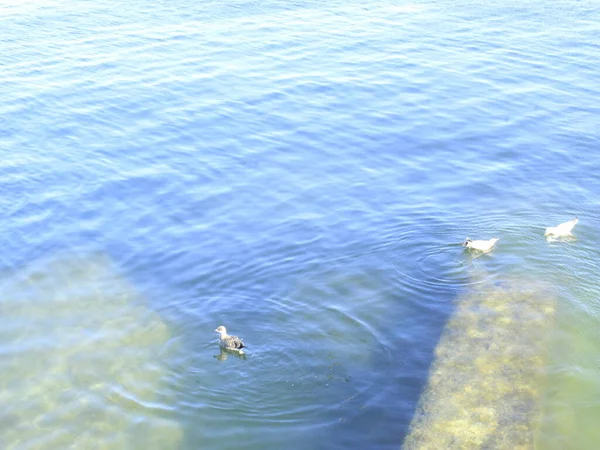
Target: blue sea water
(302,173)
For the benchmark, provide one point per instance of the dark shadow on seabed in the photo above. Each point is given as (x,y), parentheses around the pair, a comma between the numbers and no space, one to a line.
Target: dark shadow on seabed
(402,331)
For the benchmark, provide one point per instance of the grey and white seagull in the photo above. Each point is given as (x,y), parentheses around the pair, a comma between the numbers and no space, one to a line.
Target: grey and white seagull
(229,342)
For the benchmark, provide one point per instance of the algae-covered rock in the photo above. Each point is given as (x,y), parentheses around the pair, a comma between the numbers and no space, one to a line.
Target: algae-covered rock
(82,359)
(483,389)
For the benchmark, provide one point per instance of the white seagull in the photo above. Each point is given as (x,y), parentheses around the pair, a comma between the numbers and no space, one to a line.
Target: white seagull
(229,342)
(564,229)
(481,245)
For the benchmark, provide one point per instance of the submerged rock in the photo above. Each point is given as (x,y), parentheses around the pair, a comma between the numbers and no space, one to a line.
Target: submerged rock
(81,360)
(483,390)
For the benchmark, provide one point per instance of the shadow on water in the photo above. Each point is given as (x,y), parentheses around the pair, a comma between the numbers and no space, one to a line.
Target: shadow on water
(335,358)
(340,352)
(420,320)
(382,337)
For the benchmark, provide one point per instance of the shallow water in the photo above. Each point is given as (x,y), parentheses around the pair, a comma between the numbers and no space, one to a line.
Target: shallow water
(303,174)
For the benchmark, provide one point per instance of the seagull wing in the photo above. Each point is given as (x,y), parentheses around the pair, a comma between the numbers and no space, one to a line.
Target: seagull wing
(566,227)
(234,342)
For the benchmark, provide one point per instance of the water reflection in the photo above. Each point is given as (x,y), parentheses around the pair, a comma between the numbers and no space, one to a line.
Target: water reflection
(570,238)
(224,353)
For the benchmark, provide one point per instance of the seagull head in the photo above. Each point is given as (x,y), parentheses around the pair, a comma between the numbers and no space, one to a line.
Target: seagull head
(221,330)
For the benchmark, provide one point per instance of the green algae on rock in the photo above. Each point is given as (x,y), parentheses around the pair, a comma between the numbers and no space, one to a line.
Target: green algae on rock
(483,389)
(85,365)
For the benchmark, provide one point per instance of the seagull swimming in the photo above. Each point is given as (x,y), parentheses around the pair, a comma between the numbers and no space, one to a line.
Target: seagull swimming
(229,342)
(564,229)
(481,245)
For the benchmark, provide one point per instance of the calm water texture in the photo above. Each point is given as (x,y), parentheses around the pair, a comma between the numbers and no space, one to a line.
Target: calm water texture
(301,173)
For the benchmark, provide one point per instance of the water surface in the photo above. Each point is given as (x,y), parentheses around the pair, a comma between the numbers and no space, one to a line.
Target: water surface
(303,174)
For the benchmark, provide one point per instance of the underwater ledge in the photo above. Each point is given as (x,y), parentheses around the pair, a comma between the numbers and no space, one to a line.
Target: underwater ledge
(484,386)
(82,359)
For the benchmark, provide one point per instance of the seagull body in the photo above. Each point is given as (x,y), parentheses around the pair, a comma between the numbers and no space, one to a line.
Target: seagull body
(481,245)
(229,342)
(564,229)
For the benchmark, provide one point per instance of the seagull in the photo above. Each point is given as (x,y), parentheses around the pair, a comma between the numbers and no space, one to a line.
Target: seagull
(481,245)
(564,229)
(229,342)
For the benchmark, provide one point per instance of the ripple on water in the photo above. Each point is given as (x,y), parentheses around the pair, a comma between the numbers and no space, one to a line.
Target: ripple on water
(312,352)
(423,265)
(438,259)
